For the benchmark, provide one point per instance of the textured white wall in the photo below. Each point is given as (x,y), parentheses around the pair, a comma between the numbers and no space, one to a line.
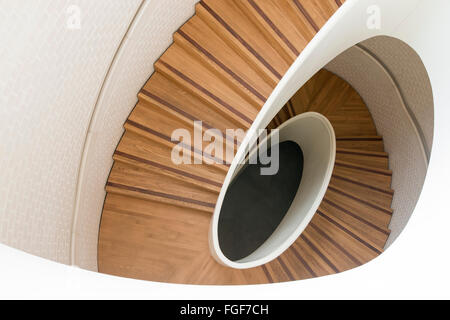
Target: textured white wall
(406,68)
(50,79)
(149,36)
(388,100)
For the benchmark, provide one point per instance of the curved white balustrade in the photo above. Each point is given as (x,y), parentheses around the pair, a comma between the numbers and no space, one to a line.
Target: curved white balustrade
(315,136)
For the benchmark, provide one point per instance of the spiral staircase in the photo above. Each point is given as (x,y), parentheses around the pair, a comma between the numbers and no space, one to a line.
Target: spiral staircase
(221,68)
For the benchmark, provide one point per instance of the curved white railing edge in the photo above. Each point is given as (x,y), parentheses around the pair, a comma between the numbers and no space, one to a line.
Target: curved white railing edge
(253,260)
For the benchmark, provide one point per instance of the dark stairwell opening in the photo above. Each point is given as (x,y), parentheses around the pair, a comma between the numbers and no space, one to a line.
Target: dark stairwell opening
(255,204)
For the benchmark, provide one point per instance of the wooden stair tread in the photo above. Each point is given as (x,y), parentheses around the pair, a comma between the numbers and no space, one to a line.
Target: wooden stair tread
(301,99)
(363,153)
(351,125)
(372,238)
(327,250)
(357,197)
(116,258)
(296,264)
(149,151)
(371,176)
(367,143)
(373,216)
(197,37)
(182,176)
(298,17)
(367,158)
(146,99)
(153,185)
(154,233)
(382,197)
(354,104)
(205,270)
(140,207)
(168,95)
(281,34)
(319,11)
(133,193)
(192,75)
(349,247)
(345,110)
(161,238)
(340,92)
(310,259)
(278,271)
(161,125)
(231,23)
(159,138)
(363,167)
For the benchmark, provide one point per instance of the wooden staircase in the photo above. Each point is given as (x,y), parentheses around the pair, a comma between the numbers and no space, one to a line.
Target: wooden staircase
(224,63)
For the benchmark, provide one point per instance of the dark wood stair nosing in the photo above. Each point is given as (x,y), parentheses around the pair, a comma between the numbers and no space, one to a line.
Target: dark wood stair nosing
(350,229)
(357,152)
(365,202)
(167,168)
(359,138)
(218,100)
(230,72)
(272,25)
(182,113)
(349,232)
(285,268)
(319,253)
(307,16)
(168,139)
(353,166)
(381,229)
(335,243)
(267,273)
(160,194)
(241,40)
(302,260)
(382,190)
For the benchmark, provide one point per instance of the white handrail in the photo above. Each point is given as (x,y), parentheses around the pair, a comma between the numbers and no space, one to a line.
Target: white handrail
(315,136)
